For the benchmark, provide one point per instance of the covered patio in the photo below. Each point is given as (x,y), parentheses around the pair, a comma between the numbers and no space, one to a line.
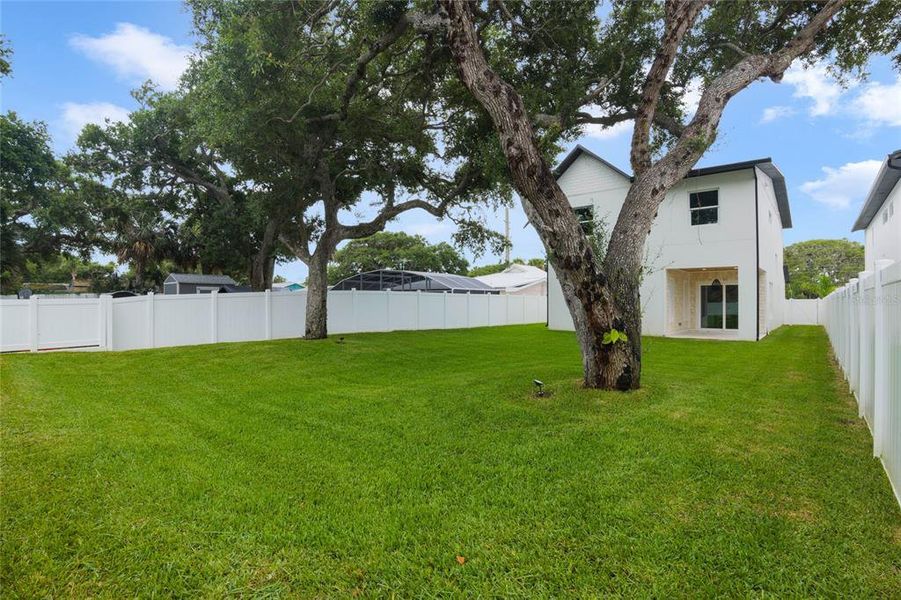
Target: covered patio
(703,302)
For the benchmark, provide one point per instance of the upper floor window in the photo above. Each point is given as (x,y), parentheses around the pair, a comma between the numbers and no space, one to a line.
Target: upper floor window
(585,217)
(704,207)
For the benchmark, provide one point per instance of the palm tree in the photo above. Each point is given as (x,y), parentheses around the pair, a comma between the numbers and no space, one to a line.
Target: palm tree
(142,239)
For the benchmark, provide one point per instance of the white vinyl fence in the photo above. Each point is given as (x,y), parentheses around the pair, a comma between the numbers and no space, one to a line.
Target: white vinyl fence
(863,320)
(154,321)
(803,312)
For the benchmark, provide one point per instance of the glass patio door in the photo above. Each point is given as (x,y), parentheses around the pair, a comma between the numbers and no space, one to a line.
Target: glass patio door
(719,306)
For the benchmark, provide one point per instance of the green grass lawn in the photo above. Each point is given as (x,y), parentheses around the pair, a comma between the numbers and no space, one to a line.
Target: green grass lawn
(295,468)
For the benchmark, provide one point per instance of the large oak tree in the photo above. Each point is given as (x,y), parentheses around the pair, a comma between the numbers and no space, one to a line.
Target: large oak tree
(154,172)
(540,81)
(338,110)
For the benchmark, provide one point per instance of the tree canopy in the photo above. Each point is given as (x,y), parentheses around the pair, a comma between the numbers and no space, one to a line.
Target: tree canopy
(816,267)
(154,181)
(339,112)
(40,214)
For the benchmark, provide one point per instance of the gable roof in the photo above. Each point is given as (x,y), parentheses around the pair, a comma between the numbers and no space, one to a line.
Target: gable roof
(200,279)
(888,176)
(764,164)
(578,151)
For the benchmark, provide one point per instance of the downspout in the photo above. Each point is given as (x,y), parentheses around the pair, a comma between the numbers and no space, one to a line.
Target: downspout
(757,254)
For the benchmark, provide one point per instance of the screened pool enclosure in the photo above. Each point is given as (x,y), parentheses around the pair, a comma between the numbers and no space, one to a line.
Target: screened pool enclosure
(414,281)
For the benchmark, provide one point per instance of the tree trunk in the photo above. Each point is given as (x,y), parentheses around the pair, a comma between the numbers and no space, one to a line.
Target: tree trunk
(257,271)
(269,273)
(263,263)
(317,298)
(588,297)
(138,281)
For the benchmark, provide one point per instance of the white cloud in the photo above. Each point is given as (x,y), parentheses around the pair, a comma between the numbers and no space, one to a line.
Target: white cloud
(428,230)
(841,187)
(816,84)
(692,96)
(879,104)
(137,54)
(75,116)
(773,113)
(608,133)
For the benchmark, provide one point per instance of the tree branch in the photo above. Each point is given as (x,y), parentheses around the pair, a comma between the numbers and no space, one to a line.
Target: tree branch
(650,186)
(680,16)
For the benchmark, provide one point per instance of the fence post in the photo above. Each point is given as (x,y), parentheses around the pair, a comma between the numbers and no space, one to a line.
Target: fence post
(353,309)
(851,315)
(101,322)
(880,362)
(445,310)
(109,322)
(214,316)
(846,325)
(862,390)
(268,299)
(387,310)
(33,323)
(151,342)
(468,310)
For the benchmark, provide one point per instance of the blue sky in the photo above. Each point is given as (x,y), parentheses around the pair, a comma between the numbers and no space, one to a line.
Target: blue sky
(76,62)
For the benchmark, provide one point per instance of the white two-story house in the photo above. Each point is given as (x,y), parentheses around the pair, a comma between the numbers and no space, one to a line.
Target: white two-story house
(714,254)
(877,216)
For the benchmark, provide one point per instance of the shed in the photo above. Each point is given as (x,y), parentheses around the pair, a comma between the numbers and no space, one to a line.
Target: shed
(196,283)
(414,281)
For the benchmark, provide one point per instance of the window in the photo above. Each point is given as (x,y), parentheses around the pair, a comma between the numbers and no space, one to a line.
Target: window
(585,217)
(704,207)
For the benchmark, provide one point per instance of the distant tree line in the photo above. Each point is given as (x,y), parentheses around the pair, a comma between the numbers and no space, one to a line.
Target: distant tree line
(816,267)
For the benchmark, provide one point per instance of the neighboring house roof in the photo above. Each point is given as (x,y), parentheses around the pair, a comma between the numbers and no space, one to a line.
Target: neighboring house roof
(199,279)
(578,151)
(764,164)
(514,277)
(886,180)
(288,285)
(234,289)
(405,281)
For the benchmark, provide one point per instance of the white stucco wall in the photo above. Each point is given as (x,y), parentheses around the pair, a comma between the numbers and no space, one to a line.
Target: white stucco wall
(771,255)
(883,240)
(675,244)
